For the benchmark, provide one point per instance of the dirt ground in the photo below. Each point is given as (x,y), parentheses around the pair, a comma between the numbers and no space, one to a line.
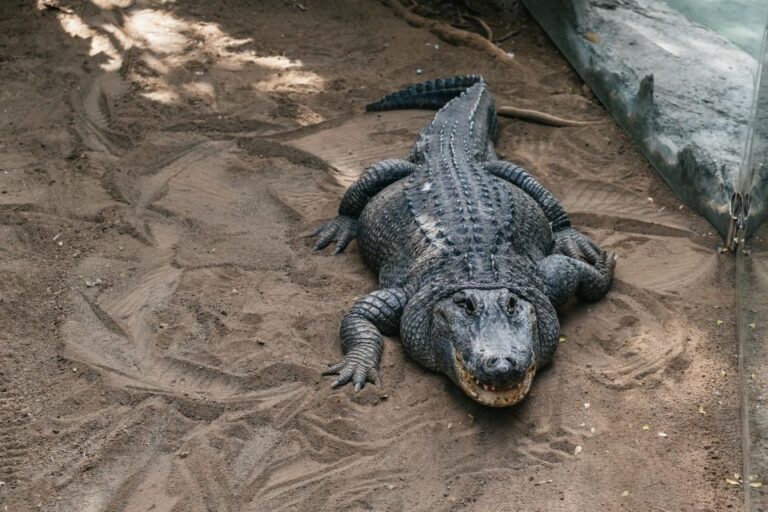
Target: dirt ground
(163,323)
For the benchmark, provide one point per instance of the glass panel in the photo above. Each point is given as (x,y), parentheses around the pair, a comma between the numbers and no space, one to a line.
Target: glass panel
(679,76)
(754,179)
(752,283)
(736,20)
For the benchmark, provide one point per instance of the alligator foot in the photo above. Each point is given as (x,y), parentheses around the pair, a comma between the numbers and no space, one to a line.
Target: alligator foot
(359,366)
(577,245)
(341,230)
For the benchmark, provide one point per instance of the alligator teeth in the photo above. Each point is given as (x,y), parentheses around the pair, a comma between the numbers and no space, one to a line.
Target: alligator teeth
(501,397)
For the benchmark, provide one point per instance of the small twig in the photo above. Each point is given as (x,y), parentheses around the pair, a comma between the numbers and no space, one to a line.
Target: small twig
(449,34)
(482,23)
(540,117)
(507,36)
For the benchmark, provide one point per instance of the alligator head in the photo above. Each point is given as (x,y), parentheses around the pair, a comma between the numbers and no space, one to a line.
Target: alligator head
(490,344)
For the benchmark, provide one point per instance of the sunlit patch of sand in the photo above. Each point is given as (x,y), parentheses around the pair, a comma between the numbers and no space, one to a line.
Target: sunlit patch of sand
(74,25)
(166,97)
(168,44)
(112,4)
(292,81)
(158,31)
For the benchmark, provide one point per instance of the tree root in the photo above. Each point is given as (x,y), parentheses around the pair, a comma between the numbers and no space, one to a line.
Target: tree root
(540,117)
(480,21)
(507,36)
(463,38)
(451,35)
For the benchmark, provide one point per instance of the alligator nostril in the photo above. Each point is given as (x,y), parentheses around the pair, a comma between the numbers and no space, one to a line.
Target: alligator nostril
(497,368)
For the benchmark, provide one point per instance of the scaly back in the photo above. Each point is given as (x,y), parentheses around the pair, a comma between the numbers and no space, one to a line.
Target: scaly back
(467,115)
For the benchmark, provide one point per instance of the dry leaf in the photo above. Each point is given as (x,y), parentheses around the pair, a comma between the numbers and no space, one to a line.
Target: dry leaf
(701,410)
(756,484)
(731,481)
(625,494)
(662,434)
(592,37)
(646,427)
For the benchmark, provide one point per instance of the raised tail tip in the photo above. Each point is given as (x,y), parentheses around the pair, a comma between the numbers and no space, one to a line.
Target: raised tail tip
(430,94)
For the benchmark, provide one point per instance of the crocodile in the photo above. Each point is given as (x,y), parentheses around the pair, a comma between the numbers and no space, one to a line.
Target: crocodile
(473,255)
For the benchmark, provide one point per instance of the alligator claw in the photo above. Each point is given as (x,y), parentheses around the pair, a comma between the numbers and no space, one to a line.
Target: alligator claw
(359,373)
(607,262)
(341,230)
(576,245)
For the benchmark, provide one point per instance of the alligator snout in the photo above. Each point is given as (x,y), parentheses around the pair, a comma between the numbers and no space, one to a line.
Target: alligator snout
(500,368)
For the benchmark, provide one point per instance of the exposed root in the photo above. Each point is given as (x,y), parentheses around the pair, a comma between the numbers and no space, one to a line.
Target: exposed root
(480,21)
(507,36)
(450,34)
(462,37)
(541,117)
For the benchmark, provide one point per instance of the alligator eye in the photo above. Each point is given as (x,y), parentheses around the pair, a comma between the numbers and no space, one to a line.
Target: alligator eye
(511,303)
(465,302)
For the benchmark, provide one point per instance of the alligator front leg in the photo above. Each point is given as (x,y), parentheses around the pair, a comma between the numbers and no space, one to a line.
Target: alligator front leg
(568,241)
(375,314)
(565,277)
(343,229)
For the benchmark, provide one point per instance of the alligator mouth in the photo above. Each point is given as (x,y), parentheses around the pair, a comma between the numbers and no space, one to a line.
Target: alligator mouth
(488,394)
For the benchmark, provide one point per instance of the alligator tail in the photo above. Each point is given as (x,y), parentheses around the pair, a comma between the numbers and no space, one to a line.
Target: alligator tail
(428,95)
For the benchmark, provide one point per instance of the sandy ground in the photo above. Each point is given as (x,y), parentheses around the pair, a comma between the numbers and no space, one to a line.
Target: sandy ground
(163,324)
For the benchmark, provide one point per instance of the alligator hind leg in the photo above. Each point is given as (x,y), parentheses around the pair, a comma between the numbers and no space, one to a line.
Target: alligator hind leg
(565,277)
(568,241)
(343,229)
(375,314)
(517,176)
